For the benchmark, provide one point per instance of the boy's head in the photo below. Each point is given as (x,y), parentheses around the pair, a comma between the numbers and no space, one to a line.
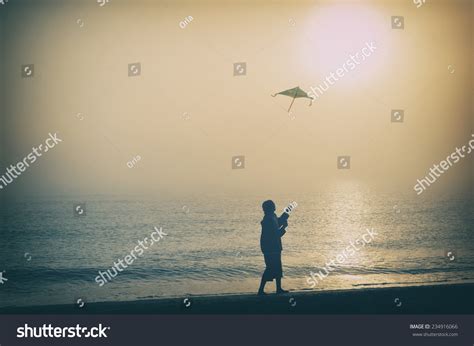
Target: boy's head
(268,207)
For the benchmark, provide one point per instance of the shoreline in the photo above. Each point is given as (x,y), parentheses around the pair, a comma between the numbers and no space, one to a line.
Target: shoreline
(428,299)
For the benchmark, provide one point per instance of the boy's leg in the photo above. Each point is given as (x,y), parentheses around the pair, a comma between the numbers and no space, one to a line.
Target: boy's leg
(278,286)
(262,285)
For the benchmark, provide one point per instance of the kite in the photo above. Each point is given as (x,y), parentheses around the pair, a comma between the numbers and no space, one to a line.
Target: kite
(295,93)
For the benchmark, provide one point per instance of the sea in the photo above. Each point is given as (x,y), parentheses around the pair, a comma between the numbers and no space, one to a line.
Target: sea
(53,247)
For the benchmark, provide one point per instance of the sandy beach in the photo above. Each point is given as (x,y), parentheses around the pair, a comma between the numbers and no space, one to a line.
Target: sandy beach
(435,299)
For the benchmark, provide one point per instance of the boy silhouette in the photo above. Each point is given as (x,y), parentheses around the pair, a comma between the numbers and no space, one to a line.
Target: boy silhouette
(270,244)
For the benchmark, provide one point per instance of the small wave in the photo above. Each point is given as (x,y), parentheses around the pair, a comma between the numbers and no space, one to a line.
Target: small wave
(425,282)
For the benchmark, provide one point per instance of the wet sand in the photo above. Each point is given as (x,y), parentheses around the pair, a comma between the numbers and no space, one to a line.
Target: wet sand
(435,299)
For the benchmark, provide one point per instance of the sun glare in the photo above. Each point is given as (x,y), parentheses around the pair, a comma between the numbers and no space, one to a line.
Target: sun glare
(335,32)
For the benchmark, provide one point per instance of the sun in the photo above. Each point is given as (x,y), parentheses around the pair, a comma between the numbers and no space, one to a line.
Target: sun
(335,31)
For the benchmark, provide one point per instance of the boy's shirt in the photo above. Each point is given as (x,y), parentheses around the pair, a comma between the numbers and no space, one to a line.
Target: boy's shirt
(270,239)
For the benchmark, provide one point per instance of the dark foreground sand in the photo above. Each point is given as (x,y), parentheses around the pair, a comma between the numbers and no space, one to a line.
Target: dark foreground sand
(439,299)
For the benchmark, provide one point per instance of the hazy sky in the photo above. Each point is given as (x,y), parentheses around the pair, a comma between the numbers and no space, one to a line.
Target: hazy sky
(187,115)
